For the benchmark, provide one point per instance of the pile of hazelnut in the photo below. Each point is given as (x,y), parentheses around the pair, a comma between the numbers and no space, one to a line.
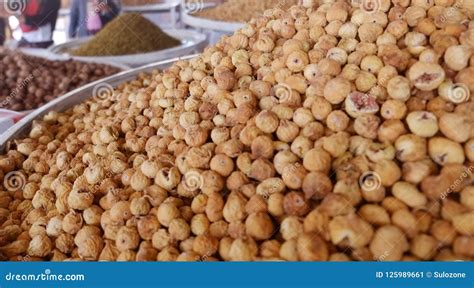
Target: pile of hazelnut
(28,82)
(329,131)
(236,10)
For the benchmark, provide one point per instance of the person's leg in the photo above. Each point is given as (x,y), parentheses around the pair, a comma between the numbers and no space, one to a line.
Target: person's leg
(55,13)
(2,30)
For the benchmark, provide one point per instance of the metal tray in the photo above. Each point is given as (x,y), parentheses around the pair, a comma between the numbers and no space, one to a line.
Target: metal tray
(151,8)
(47,54)
(77,96)
(191,42)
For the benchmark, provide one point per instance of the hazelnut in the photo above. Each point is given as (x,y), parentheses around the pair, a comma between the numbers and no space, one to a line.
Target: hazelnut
(426,76)
(463,223)
(40,246)
(444,151)
(410,147)
(350,231)
(267,121)
(388,234)
(294,203)
(399,88)
(310,247)
(127,239)
(457,57)
(259,226)
(166,213)
(409,194)
(422,123)
(336,91)
(454,126)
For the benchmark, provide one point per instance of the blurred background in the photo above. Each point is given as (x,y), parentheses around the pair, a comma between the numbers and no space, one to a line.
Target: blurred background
(164,13)
(51,47)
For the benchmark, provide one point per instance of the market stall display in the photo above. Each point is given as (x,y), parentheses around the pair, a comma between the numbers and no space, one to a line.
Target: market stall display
(165,9)
(134,40)
(126,35)
(189,16)
(28,82)
(219,19)
(242,10)
(336,132)
(95,90)
(213,29)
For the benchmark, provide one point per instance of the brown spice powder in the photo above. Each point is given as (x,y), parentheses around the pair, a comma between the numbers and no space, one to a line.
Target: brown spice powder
(125,35)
